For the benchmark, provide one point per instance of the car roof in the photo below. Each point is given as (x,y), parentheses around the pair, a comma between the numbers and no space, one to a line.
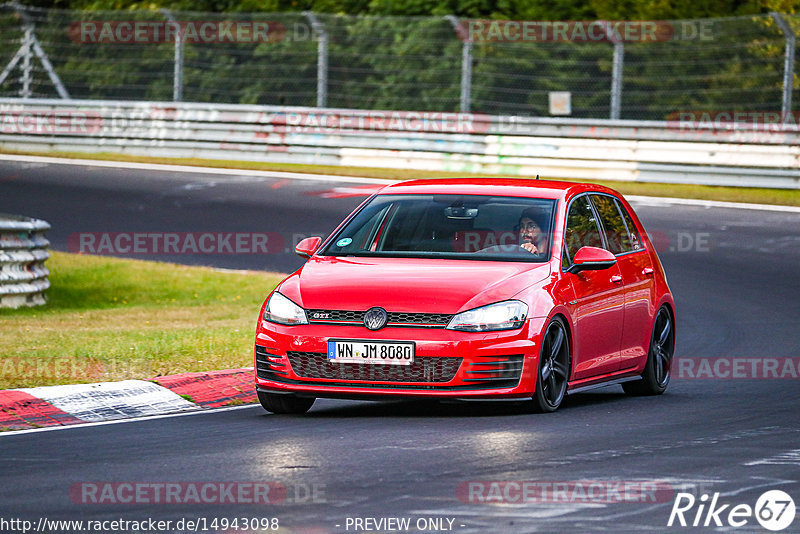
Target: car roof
(515,187)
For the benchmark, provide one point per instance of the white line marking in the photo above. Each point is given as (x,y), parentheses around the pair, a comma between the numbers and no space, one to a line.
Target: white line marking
(195,169)
(785,458)
(670,201)
(202,411)
(654,201)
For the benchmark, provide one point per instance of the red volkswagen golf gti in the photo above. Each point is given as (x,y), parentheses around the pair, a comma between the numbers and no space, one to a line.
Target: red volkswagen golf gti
(470,288)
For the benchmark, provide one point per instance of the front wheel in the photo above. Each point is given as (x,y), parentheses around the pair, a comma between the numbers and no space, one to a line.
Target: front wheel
(655,377)
(284,404)
(554,364)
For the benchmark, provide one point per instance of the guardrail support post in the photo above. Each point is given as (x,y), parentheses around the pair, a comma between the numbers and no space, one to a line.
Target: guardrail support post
(177,76)
(788,65)
(466,66)
(322,59)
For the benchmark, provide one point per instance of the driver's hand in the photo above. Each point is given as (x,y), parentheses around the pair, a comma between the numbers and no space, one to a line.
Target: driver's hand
(530,247)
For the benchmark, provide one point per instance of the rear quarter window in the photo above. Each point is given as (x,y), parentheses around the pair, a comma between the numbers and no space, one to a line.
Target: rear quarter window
(634,240)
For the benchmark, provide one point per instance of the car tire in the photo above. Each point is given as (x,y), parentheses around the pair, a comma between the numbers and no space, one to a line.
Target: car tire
(656,374)
(554,368)
(285,404)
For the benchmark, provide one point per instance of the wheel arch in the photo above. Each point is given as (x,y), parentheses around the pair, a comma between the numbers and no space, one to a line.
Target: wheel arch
(666,300)
(565,316)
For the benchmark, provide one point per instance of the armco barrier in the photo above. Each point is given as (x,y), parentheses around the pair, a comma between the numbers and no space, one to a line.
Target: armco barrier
(734,154)
(23,251)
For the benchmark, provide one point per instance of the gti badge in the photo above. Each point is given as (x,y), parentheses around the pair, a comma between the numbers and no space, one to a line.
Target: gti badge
(375,318)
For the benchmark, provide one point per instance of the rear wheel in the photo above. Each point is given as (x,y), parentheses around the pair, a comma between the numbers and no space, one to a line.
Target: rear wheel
(655,377)
(285,404)
(554,364)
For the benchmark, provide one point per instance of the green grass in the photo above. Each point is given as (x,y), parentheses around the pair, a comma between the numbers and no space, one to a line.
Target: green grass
(114,319)
(704,192)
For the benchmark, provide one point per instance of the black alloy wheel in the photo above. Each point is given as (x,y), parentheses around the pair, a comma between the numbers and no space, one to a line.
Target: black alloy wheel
(554,367)
(655,377)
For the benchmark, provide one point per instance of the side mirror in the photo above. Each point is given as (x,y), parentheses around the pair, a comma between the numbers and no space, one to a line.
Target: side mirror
(592,259)
(308,246)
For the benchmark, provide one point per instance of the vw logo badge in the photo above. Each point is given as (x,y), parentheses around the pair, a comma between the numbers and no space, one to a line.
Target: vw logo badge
(375,318)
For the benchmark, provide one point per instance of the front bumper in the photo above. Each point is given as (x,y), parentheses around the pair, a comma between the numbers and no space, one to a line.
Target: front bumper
(448,364)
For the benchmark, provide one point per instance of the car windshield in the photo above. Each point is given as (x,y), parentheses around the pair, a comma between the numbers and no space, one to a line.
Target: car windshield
(475,227)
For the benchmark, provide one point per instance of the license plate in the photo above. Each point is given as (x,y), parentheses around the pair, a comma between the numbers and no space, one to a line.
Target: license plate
(370,352)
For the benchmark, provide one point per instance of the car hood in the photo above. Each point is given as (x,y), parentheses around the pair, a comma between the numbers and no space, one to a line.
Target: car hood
(408,284)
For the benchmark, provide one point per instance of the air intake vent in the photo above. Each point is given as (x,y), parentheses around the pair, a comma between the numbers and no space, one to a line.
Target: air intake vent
(429,370)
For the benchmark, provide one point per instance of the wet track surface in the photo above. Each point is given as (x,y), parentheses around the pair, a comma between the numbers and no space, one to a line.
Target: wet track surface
(734,274)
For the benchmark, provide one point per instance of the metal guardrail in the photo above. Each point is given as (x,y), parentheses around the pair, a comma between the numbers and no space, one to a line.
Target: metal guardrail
(23,251)
(734,154)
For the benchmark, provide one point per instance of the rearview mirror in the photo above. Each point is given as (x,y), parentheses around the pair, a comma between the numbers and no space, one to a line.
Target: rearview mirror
(307,246)
(592,259)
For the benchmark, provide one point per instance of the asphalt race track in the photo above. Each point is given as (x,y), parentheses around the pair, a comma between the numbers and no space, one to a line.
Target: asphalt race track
(734,274)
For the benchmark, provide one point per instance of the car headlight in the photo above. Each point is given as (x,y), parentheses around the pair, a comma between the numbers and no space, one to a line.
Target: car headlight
(281,310)
(505,315)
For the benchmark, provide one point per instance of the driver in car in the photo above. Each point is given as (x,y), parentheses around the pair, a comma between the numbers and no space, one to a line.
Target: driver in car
(529,229)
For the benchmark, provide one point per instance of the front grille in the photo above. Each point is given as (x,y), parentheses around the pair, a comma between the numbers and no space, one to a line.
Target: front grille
(419,318)
(269,366)
(499,371)
(317,365)
(319,316)
(424,320)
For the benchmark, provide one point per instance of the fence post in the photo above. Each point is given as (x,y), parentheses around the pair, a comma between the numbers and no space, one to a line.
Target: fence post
(177,76)
(466,65)
(788,65)
(322,59)
(616,71)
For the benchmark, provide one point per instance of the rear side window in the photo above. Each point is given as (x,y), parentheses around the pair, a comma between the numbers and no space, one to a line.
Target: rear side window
(634,240)
(613,226)
(581,229)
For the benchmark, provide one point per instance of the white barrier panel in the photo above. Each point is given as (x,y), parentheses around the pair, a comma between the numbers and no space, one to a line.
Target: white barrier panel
(749,155)
(23,251)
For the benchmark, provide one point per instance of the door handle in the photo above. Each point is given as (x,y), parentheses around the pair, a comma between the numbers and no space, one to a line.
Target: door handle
(647,271)
(617,279)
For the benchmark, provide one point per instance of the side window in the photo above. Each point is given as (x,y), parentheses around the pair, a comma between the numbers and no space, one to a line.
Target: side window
(581,230)
(615,231)
(634,241)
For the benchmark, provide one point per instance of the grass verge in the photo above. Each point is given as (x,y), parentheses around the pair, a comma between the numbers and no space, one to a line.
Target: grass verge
(115,319)
(755,195)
